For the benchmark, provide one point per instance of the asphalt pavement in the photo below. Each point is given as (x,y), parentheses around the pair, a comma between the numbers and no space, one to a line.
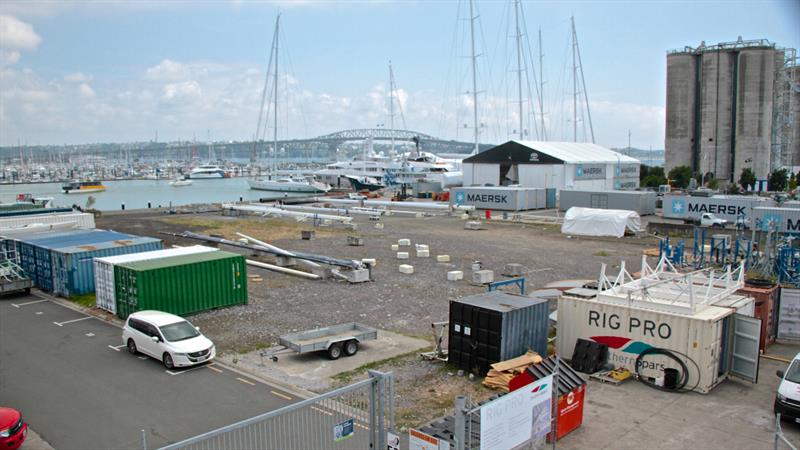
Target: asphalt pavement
(77,385)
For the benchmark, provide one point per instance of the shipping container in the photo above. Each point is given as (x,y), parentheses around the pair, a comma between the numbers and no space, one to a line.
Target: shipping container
(707,337)
(15,223)
(104,285)
(728,207)
(181,285)
(789,314)
(766,299)
(500,198)
(34,212)
(495,326)
(782,220)
(642,202)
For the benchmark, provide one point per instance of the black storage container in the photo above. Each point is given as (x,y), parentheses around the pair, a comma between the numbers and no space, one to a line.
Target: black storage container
(495,326)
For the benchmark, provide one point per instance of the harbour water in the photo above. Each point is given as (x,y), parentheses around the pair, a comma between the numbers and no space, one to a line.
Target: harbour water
(135,194)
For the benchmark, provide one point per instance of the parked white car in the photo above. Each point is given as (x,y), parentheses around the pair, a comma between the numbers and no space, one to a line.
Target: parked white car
(168,338)
(787,399)
(710,220)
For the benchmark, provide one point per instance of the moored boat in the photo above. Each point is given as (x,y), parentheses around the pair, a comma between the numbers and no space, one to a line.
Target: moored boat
(83,187)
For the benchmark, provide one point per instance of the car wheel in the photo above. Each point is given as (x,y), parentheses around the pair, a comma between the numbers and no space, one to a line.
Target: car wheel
(168,363)
(351,347)
(132,347)
(335,351)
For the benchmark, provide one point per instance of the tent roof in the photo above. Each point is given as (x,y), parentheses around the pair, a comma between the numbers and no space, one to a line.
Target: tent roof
(545,152)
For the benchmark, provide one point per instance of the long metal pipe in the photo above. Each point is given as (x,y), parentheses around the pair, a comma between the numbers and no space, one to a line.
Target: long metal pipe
(286,213)
(285,270)
(412,205)
(309,264)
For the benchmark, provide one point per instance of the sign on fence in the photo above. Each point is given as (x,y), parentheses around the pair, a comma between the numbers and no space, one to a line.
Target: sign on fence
(344,430)
(517,417)
(418,440)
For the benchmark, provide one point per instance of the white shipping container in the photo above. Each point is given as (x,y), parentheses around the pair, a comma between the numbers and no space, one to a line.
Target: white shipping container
(628,331)
(105,289)
(728,207)
(80,220)
(782,220)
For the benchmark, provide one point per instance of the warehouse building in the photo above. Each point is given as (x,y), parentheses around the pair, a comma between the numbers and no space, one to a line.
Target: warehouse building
(560,165)
(732,106)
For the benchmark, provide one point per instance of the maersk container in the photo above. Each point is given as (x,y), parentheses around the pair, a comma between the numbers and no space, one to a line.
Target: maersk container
(707,337)
(782,220)
(728,207)
(16,223)
(499,198)
(73,268)
(642,202)
(181,285)
(495,326)
(104,286)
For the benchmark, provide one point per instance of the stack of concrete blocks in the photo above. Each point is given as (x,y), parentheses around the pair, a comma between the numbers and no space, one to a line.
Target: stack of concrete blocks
(406,268)
(402,255)
(481,277)
(455,275)
(423,251)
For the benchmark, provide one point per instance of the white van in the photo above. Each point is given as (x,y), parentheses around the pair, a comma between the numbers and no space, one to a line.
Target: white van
(787,400)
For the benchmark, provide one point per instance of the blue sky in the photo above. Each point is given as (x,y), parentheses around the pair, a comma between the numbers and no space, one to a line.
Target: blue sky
(76,72)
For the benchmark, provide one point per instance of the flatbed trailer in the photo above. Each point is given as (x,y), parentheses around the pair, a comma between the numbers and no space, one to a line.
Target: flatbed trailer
(13,279)
(336,340)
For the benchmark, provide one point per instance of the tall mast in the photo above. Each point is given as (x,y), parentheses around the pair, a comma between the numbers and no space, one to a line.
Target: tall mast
(275,100)
(574,84)
(519,67)
(541,86)
(583,80)
(391,104)
(474,75)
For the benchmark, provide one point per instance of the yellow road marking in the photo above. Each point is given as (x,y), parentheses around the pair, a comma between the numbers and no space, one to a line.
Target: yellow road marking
(245,381)
(322,411)
(214,369)
(281,395)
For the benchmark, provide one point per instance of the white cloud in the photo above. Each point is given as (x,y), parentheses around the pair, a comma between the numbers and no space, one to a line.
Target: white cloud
(86,91)
(17,35)
(181,91)
(77,77)
(9,57)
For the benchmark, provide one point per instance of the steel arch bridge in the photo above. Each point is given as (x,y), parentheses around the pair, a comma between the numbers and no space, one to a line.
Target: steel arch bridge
(382,134)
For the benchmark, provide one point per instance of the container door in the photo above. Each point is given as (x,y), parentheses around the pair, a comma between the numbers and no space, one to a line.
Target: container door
(744,351)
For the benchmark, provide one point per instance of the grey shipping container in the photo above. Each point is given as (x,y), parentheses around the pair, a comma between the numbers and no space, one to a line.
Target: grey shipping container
(782,220)
(728,207)
(642,202)
(500,198)
(495,326)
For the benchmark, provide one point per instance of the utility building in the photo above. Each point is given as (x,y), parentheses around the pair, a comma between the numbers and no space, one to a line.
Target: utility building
(560,165)
(733,106)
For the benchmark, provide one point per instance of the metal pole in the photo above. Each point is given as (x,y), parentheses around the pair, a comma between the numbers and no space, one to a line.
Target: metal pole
(574,86)
(519,68)
(541,88)
(275,100)
(555,402)
(583,80)
(459,436)
(144,440)
(391,103)
(379,406)
(777,430)
(372,415)
(474,76)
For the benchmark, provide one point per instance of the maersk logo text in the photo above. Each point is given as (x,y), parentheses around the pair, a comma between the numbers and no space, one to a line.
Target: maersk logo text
(488,198)
(732,210)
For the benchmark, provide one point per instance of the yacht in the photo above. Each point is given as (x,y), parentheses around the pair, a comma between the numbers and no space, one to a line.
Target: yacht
(83,187)
(207,171)
(178,182)
(289,184)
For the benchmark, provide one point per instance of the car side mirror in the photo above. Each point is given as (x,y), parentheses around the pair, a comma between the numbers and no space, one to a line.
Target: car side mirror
(779,373)
(197,328)
(155,339)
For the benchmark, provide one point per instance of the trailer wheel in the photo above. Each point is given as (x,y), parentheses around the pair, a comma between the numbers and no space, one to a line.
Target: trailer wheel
(351,347)
(335,351)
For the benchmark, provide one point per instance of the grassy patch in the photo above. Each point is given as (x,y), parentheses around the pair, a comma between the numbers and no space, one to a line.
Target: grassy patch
(258,346)
(346,377)
(601,253)
(86,300)
(263,229)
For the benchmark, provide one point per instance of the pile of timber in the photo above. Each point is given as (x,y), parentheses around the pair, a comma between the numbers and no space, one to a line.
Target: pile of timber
(502,372)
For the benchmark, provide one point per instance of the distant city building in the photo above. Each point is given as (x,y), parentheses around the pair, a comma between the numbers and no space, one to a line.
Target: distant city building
(731,106)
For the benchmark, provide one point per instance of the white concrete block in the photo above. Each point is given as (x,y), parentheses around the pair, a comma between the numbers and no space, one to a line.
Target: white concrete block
(406,268)
(395,247)
(404,242)
(422,247)
(379,226)
(402,255)
(423,254)
(371,261)
(482,276)
(442,258)
(455,275)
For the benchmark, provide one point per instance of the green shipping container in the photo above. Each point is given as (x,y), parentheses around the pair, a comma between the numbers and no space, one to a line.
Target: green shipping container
(181,285)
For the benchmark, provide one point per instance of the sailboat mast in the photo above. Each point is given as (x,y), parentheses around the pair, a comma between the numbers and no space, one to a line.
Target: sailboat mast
(519,67)
(474,75)
(391,104)
(541,86)
(574,85)
(275,99)
(583,81)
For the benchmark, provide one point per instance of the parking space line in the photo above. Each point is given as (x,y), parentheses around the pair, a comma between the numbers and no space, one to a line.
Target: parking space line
(116,348)
(322,411)
(214,369)
(281,395)
(28,303)
(245,381)
(183,370)
(61,324)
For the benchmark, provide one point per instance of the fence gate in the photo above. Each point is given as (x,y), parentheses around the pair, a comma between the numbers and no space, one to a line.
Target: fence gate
(352,417)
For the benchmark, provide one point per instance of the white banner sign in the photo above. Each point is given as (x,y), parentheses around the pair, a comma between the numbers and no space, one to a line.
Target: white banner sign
(516,417)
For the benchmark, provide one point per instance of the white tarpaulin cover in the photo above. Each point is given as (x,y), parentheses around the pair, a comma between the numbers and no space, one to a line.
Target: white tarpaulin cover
(600,222)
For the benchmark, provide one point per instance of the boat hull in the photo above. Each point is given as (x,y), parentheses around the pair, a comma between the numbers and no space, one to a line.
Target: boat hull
(283,187)
(84,190)
(206,176)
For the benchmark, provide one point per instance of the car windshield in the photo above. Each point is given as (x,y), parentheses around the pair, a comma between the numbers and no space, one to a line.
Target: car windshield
(793,373)
(179,331)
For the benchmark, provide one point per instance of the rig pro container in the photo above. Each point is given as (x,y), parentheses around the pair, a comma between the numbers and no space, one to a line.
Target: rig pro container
(495,326)
(181,285)
(707,337)
(105,287)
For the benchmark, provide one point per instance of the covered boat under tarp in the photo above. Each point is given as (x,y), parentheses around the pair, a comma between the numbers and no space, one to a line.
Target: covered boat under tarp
(600,222)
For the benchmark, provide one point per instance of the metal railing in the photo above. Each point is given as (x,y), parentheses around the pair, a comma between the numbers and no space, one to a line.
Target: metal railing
(354,416)
(779,437)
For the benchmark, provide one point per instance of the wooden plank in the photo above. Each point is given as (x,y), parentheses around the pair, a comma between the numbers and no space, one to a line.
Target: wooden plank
(520,361)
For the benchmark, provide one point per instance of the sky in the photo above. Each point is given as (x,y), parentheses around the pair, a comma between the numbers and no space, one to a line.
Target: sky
(75,72)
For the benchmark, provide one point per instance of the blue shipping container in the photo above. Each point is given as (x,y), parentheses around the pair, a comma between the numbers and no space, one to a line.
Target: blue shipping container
(73,267)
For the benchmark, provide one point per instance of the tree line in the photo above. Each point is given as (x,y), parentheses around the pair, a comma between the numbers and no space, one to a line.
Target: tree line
(680,177)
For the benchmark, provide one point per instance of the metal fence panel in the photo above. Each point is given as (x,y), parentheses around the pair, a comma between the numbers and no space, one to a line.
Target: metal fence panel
(311,424)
